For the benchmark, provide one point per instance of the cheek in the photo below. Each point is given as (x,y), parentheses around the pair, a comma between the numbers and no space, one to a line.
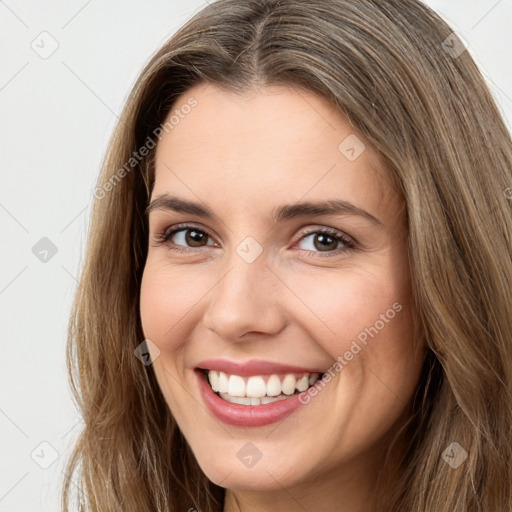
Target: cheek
(167,300)
(341,307)
(363,319)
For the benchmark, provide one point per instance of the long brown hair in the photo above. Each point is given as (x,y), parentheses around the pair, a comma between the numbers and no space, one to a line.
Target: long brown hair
(401,76)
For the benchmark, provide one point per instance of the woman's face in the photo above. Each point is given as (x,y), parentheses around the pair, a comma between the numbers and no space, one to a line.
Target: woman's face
(292,261)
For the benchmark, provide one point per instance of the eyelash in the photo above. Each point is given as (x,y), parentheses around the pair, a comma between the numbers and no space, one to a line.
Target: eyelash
(163,238)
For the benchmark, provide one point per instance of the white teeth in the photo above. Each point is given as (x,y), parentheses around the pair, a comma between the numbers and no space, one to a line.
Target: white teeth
(251,401)
(270,399)
(302,383)
(256,387)
(273,386)
(313,378)
(214,380)
(256,391)
(236,386)
(222,383)
(243,400)
(288,385)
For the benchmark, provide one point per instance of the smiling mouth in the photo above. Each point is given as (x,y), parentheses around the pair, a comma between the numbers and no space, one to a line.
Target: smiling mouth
(258,389)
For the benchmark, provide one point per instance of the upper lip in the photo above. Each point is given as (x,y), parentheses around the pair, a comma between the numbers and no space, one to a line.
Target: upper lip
(252,367)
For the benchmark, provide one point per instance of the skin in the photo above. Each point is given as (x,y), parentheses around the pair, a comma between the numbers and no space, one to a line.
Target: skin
(243,156)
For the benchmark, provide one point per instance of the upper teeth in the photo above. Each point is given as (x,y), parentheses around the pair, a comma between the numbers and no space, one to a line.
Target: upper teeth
(260,385)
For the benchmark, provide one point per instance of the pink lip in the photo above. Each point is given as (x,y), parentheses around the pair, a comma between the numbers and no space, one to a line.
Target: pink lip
(245,415)
(252,367)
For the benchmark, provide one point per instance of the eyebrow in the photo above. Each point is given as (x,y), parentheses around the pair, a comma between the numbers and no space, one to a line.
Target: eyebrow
(279,214)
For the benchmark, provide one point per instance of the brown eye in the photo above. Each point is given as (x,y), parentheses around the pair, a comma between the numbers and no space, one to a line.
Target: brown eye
(184,237)
(194,237)
(188,237)
(326,241)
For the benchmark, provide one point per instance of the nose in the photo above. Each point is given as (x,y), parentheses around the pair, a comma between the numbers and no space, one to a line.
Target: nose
(245,300)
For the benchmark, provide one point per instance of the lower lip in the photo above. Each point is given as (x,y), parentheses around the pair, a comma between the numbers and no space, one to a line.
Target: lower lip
(245,415)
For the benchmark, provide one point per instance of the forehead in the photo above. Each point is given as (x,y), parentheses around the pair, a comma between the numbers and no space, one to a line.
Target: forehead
(275,144)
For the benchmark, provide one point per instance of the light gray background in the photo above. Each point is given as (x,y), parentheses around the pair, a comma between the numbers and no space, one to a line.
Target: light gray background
(56,118)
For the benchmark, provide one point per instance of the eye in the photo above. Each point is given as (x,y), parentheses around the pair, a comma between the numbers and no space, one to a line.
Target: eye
(187,237)
(183,237)
(326,240)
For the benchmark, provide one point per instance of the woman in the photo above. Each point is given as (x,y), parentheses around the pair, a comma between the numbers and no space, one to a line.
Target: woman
(296,293)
